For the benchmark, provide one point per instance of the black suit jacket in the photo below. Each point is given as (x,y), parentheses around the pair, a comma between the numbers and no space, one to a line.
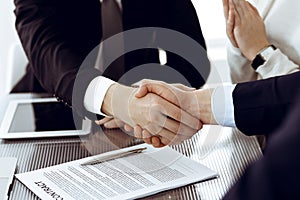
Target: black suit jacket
(57,35)
(276,175)
(261,106)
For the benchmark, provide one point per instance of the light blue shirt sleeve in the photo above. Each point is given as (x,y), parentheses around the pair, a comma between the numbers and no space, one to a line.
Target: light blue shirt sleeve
(222,105)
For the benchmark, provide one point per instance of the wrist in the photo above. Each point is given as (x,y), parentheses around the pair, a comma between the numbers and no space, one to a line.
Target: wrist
(251,54)
(107,107)
(262,56)
(119,101)
(204,106)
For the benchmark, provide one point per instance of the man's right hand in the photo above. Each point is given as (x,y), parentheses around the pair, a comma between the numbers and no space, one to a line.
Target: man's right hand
(151,112)
(195,102)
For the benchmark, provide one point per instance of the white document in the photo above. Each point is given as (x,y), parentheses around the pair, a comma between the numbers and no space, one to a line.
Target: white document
(134,176)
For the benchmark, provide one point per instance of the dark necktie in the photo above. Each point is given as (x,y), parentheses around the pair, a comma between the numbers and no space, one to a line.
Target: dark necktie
(111,25)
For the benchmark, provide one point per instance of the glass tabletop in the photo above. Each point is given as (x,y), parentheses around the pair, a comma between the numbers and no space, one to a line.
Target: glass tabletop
(224,150)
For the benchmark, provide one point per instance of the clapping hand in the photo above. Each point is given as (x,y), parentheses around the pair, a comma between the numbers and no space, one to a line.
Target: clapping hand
(245,27)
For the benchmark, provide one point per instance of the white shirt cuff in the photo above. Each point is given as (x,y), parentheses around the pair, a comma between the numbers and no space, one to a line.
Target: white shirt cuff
(95,94)
(222,105)
(274,65)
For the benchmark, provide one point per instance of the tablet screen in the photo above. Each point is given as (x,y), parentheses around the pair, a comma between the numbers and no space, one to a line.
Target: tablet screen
(42,116)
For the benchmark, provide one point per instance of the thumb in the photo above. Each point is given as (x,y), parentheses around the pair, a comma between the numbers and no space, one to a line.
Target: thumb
(163,90)
(142,91)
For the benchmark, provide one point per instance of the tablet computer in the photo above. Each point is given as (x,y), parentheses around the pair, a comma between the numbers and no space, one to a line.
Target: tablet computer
(40,117)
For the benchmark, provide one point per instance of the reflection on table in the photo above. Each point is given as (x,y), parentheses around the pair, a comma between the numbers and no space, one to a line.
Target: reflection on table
(224,150)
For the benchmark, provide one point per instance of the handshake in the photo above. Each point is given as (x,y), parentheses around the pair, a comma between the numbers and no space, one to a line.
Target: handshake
(159,113)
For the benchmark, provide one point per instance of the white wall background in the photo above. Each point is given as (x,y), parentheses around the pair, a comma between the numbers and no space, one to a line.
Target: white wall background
(211,17)
(210,13)
(8,37)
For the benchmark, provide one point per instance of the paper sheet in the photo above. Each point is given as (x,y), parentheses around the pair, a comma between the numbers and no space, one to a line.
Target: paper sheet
(130,177)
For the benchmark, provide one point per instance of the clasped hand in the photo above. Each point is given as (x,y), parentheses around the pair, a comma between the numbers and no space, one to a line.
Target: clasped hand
(159,113)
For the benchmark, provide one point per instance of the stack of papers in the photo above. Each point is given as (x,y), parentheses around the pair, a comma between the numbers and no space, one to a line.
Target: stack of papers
(134,176)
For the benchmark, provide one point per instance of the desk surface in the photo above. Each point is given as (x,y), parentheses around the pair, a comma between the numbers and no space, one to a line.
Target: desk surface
(224,150)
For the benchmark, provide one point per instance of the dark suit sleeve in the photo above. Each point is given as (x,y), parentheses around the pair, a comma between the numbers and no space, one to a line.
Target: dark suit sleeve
(56,36)
(260,106)
(184,19)
(276,175)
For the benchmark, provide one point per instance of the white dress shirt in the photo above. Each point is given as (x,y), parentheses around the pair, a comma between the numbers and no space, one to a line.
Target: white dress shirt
(222,105)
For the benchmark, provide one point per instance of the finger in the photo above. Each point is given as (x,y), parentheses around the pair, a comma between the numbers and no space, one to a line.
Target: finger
(114,123)
(230,21)
(183,87)
(144,87)
(142,91)
(175,126)
(160,121)
(148,141)
(157,130)
(164,141)
(253,8)
(176,139)
(146,134)
(153,140)
(179,115)
(230,27)
(157,87)
(237,17)
(138,132)
(239,6)
(156,142)
(147,137)
(102,121)
(128,128)
(168,135)
(230,24)
(226,8)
